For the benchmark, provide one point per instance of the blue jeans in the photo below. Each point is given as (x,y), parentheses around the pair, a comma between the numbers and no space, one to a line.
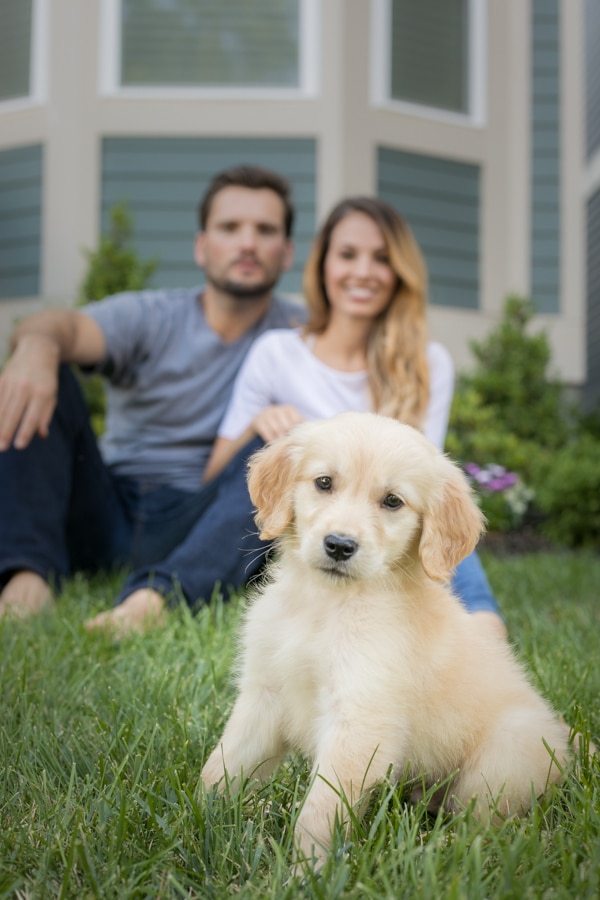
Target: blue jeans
(62,510)
(471,586)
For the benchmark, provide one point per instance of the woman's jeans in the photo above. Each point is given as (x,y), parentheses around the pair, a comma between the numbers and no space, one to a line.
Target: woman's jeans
(63,510)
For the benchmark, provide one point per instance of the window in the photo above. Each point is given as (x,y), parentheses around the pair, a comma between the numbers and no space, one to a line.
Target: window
(211,45)
(432,55)
(592,69)
(22,29)
(441,198)
(21,185)
(15,49)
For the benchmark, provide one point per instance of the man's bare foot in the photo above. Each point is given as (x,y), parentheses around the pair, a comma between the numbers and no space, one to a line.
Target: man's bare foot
(138,613)
(25,595)
(490,623)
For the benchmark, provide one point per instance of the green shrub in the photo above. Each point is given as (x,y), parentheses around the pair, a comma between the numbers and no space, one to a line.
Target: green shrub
(114,267)
(508,405)
(477,434)
(511,379)
(589,422)
(510,412)
(568,493)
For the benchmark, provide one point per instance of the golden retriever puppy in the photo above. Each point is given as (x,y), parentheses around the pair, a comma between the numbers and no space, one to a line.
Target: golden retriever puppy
(356,652)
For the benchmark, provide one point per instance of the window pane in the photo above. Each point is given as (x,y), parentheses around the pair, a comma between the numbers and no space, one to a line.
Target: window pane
(15,48)
(21,174)
(249,43)
(430,53)
(592,64)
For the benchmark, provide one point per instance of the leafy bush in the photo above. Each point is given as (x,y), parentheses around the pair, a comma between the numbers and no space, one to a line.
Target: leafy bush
(568,493)
(589,422)
(511,378)
(509,413)
(477,434)
(114,267)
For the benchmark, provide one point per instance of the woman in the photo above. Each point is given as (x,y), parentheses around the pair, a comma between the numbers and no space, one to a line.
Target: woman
(364,347)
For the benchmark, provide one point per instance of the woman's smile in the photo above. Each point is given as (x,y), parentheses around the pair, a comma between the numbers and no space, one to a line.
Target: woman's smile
(359,279)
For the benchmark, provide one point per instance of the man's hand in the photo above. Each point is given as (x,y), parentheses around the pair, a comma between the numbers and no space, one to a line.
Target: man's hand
(276,421)
(29,382)
(28,391)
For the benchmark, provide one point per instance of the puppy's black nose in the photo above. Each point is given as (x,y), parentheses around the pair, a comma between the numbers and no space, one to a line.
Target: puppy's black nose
(339,547)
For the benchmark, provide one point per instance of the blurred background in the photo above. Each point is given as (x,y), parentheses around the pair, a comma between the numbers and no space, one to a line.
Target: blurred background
(478,119)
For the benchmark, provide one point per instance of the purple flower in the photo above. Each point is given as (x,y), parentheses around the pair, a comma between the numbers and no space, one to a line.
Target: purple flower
(491,478)
(501,484)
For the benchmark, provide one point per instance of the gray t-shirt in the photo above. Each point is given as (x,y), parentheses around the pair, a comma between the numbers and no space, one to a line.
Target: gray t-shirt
(169,381)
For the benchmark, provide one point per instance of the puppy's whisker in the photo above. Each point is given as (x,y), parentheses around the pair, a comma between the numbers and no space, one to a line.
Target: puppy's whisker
(407,572)
(252,534)
(250,565)
(254,555)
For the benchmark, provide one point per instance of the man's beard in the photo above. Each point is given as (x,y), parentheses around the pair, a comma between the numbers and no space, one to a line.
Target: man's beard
(242,291)
(239,289)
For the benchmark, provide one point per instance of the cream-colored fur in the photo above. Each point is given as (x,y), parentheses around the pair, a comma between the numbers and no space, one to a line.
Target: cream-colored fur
(368,662)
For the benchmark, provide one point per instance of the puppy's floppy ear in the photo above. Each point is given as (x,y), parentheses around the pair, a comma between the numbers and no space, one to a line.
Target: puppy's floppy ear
(452,526)
(271,476)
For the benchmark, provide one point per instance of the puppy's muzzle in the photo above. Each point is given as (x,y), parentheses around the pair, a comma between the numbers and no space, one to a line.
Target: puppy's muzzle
(338,547)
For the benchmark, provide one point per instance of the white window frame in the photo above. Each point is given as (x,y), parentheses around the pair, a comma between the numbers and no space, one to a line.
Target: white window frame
(110,64)
(381,67)
(38,61)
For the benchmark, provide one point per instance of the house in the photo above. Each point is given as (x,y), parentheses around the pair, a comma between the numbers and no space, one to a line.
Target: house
(478,119)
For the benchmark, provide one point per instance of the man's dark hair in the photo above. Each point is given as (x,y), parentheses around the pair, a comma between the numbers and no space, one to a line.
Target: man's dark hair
(253,177)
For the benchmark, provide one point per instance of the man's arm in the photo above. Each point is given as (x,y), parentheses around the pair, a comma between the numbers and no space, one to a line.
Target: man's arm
(29,380)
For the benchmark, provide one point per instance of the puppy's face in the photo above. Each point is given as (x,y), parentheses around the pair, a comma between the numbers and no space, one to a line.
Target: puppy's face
(353,496)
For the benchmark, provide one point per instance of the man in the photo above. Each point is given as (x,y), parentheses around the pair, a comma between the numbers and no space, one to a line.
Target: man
(170,358)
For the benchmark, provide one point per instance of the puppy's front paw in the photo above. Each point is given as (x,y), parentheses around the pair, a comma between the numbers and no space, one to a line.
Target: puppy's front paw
(312,836)
(214,770)
(308,855)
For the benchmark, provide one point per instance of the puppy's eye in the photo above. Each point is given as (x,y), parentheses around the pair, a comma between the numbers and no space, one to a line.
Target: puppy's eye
(392,501)
(324,483)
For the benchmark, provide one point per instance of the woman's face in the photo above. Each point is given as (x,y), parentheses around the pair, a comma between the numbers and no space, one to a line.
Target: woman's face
(359,280)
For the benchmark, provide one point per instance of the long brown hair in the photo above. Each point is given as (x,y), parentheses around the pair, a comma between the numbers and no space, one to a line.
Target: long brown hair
(397,348)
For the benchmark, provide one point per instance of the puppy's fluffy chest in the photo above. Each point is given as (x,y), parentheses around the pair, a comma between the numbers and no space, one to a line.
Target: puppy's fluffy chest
(321,615)
(324,646)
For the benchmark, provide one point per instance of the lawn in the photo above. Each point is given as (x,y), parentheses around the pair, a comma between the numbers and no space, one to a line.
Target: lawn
(101,746)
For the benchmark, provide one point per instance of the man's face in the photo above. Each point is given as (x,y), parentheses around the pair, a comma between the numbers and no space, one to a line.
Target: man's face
(243,248)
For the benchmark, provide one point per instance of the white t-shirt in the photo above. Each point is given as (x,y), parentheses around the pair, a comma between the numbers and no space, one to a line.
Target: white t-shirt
(280,368)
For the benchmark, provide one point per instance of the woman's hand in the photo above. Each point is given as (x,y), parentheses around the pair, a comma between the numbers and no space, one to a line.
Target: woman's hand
(275,421)
(270,423)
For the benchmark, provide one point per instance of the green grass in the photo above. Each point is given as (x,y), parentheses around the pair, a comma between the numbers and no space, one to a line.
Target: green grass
(102,743)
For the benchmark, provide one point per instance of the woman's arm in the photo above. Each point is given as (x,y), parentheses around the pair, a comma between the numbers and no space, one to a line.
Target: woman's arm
(224,449)
(252,410)
(441,389)
(270,423)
